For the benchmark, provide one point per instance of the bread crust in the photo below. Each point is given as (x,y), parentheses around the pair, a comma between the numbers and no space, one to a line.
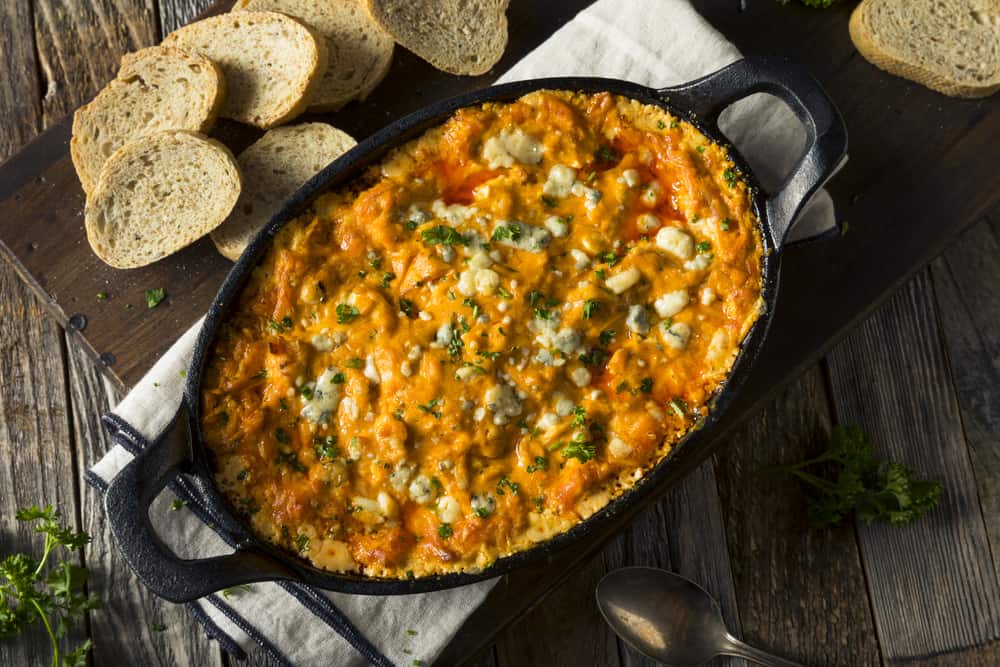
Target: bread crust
(267,113)
(107,105)
(128,227)
(866,42)
(265,192)
(469,62)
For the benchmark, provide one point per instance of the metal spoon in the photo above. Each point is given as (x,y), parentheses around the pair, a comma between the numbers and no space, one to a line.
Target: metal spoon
(670,619)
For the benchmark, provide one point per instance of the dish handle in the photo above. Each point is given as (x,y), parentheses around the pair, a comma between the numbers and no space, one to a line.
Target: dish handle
(127,502)
(826,133)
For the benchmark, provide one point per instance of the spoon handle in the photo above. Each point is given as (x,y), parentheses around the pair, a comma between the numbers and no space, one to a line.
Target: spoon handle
(733,646)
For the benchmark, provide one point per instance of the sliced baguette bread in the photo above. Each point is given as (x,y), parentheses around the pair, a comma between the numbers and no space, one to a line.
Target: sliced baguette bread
(456,36)
(360,52)
(156,89)
(951,46)
(273,168)
(157,195)
(272,63)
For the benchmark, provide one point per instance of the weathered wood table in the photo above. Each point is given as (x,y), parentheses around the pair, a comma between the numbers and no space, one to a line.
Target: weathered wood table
(921,374)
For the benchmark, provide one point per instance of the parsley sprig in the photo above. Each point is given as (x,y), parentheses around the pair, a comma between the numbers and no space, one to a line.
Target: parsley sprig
(851,480)
(28,594)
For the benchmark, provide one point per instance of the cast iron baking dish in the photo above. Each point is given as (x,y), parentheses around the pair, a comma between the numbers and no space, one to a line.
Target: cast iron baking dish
(180,456)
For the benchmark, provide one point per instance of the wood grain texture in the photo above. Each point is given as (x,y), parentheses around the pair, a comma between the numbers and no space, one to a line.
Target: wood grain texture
(80,44)
(175,13)
(36,456)
(20,107)
(801,591)
(684,532)
(967,286)
(128,603)
(565,629)
(933,586)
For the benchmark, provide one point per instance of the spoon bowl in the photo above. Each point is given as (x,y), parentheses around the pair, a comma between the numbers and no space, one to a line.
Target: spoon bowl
(670,619)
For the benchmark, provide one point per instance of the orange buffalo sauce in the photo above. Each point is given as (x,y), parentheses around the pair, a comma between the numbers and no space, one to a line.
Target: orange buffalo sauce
(493,334)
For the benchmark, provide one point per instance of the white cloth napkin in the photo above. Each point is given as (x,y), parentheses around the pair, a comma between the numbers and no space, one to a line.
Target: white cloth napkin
(653,42)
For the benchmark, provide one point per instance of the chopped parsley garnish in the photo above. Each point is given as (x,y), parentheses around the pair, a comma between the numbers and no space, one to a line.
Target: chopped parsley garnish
(355,362)
(412,225)
(600,273)
(431,408)
(504,294)
(476,310)
(660,124)
(606,154)
(291,459)
(606,337)
(541,464)
(580,448)
(261,374)
(326,447)
(591,177)
(346,313)
(646,386)
(579,416)
(595,357)
(302,543)
(338,378)
(154,297)
(726,224)
(678,406)
(445,531)
(544,314)
(704,247)
(376,262)
(673,124)
(700,149)
(622,386)
(730,177)
(492,356)
(101,296)
(442,235)
(590,306)
(387,278)
(539,501)
(407,307)
(512,233)
(609,258)
(503,482)
(455,344)
(285,324)
(551,202)
(176,504)
(281,435)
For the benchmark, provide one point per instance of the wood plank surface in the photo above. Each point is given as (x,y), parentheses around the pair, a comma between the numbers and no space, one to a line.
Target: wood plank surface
(80,44)
(967,286)
(160,633)
(801,591)
(933,586)
(565,629)
(20,103)
(684,532)
(37,465)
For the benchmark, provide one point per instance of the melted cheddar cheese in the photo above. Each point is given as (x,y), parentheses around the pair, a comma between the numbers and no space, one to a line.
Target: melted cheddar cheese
(485,339)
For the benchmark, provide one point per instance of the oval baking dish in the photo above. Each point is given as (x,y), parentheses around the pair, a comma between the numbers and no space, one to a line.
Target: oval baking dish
(186,449)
